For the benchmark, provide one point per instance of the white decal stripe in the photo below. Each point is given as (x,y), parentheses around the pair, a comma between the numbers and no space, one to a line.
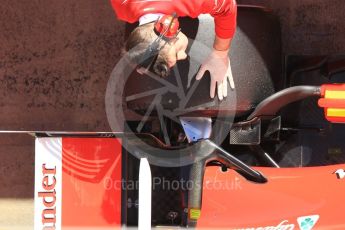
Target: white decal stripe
(220,7)
(145,183)
(48,151)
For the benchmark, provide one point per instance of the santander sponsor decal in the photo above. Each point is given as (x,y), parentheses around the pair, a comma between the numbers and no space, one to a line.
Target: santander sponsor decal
(70,179)
(284,225)
(48,184)
(48,195)
(304,223)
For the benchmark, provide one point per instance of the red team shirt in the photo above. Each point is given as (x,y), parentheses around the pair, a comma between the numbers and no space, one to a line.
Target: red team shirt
(223,11)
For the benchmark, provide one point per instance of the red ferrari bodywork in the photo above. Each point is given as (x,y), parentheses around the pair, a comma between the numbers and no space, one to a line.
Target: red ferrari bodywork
(232,202)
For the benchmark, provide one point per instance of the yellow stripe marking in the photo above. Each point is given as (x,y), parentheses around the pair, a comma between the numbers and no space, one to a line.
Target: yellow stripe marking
(194,214)
(335,112)
(333,94)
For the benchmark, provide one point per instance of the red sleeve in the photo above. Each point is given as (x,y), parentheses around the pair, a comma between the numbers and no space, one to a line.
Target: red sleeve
(223,11)
(225,14)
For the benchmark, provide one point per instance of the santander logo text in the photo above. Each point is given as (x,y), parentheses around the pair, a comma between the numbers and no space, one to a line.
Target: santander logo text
(48,195)
(284,225)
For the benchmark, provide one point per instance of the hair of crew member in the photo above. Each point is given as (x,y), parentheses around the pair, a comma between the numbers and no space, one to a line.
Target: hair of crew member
(141,38)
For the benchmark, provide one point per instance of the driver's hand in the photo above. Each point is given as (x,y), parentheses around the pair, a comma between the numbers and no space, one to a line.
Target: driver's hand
(218,64)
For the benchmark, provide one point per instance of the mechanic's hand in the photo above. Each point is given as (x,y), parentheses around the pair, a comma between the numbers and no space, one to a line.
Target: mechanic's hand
(218,64)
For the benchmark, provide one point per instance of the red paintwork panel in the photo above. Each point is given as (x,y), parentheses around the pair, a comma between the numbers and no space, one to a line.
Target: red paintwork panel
(91,192)
(232,202)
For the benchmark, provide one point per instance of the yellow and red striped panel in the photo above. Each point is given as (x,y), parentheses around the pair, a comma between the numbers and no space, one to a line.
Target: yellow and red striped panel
(333,102)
